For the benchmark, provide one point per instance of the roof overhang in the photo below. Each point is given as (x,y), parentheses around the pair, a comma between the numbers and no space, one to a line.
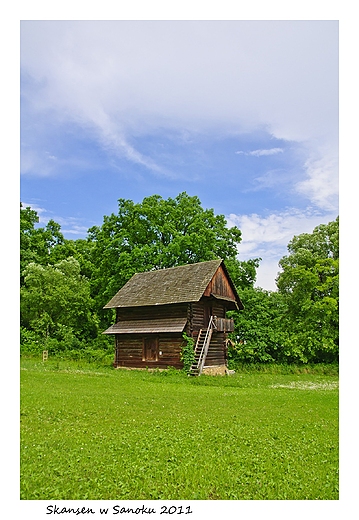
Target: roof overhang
(147,326)
(227,299)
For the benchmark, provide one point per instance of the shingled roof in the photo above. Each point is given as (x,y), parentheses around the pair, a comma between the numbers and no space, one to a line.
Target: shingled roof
(185,283)
(147,326)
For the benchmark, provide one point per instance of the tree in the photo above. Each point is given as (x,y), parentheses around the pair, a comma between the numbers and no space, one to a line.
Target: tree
(259,334)
(309,281)
(28,253)
(243,272)
(300,322)
(80,249)
(156,234)
(37,244)
(56,302)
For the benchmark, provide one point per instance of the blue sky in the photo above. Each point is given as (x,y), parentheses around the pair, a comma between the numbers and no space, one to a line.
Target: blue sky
(242,114)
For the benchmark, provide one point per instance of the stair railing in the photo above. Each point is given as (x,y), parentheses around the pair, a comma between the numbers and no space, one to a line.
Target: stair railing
(205,346)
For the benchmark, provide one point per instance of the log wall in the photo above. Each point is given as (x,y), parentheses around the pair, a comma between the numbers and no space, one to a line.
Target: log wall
(217,352)
(130,348)
(178,310)
(130,351)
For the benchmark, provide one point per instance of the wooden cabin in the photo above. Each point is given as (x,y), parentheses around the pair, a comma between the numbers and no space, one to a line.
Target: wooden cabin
(155,308)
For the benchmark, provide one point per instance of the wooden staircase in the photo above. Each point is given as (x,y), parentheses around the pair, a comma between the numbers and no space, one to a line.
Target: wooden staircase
(201,348)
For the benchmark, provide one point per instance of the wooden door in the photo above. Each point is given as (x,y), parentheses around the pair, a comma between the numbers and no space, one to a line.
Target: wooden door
(150,348)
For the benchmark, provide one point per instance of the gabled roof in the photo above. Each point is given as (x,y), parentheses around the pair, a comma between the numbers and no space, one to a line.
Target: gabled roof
(185,283)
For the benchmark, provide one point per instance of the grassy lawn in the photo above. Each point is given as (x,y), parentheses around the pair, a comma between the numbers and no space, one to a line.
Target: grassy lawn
(92,433)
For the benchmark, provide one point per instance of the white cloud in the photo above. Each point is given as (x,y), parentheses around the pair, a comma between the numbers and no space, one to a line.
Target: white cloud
(268,237)
(69,225)
(267,273)
(259,153)
(114,139)
(321,186)
(41,212)
(52,157)
(124,78)
(36,161)
(276,228)
(81,231)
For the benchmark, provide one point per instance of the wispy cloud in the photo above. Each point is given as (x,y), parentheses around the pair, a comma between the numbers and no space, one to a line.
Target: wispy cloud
(277,228)
(321,186)
(260,153)
(41,212)
(52,157)
(36,162)
(109,91)
(69,225)
(113,138)
(278,178)
(145,75)
(79,231)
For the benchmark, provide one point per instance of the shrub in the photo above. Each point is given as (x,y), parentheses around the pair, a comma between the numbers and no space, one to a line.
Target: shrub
(30,342)
(187,352)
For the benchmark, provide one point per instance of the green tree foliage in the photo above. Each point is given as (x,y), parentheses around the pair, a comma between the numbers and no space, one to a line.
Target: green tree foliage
(299,322)
(47,245)
(65,283)
(156,234)
(37,244)
(243,273)
(28,219)
(258,336)
(56,302)
(80,249)
(309,282)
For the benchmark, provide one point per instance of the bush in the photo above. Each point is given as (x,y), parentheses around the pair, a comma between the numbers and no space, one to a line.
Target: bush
(187,353)
(30,342)
(64,344)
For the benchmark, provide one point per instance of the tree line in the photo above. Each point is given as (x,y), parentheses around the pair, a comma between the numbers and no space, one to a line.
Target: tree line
(65,283)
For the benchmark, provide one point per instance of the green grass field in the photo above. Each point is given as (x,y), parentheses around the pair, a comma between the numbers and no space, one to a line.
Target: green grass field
(90,433)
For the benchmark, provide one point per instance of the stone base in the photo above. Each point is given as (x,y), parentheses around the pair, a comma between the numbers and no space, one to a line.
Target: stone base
(218,370)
